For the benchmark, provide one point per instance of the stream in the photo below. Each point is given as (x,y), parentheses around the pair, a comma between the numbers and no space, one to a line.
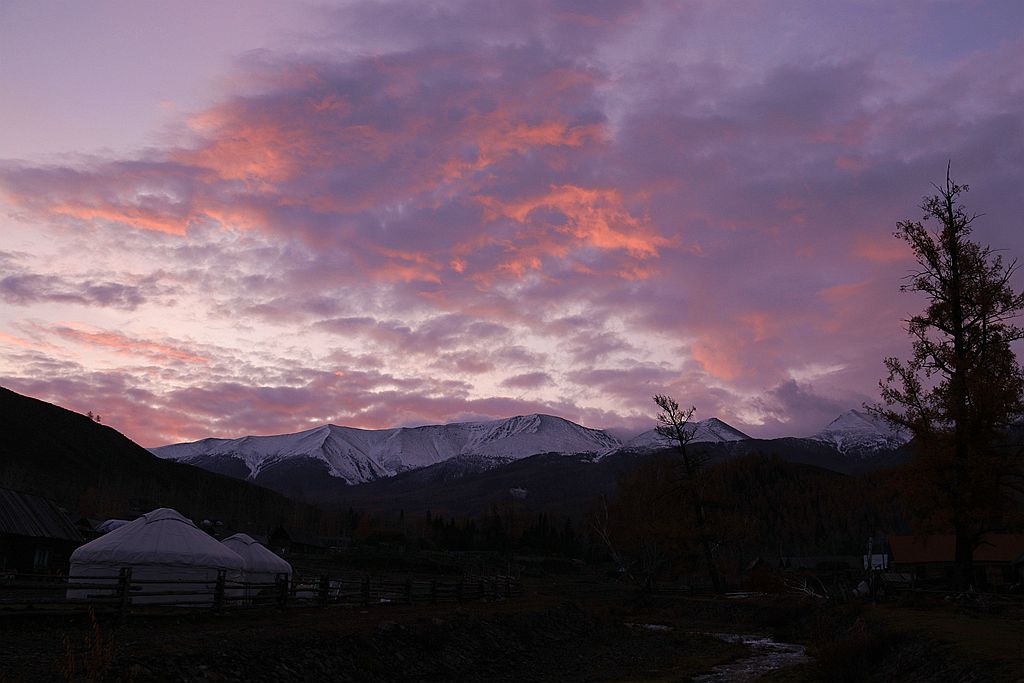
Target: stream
(768,655)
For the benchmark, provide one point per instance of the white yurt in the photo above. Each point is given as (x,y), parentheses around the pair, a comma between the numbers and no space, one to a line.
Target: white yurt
(161,545)
(109,525)
(260,565)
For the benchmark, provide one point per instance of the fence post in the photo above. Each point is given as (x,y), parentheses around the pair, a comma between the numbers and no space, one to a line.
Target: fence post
(433,592)
(508,587)
(365,590)
(218,591)
(408,591)
(324,584)
(458,590)
(124,587)
(282,591)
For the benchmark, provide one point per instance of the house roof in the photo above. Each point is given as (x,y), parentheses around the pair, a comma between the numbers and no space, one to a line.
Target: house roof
(25,514)
(942,548)
(816,561)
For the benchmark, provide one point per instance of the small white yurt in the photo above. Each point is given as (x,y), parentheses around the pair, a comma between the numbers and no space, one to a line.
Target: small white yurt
(162,545)
(260,565)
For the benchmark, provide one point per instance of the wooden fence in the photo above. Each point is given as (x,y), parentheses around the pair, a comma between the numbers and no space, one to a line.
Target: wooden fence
(37,594)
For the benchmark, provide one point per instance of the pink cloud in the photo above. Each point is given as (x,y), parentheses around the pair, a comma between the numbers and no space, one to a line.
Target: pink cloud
(572,198)
(124,344)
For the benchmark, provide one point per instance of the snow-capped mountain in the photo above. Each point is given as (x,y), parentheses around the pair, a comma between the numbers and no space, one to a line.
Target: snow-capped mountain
(361,455)
(319,462)
(860,432)
(711,430)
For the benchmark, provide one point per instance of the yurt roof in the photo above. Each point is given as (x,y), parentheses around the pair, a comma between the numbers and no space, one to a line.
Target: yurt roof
(109,525)
(160,537)
(255,555)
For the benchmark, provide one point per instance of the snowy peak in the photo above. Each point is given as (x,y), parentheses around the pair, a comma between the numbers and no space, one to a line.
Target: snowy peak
(361,455)
(711,430)
(339,448)
(858,431)
(532,434)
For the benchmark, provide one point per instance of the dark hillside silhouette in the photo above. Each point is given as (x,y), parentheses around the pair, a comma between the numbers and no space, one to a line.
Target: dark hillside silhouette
(93,469)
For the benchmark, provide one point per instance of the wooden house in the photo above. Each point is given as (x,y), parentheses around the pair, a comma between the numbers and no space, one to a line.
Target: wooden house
(36,536)
(291,542)
(823,563)
(285,542)
(997,559)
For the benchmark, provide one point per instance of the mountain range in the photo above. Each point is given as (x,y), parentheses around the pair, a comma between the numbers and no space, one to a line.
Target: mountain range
(315,462)
(540,462)
(361,455)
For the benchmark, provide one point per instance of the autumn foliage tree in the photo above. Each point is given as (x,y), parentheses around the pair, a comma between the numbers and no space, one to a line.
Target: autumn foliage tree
(962,386)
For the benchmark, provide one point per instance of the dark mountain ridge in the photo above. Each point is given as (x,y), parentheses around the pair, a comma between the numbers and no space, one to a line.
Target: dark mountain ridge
(557,483)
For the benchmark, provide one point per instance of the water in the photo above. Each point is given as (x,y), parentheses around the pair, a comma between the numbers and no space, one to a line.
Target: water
(768,655)
(651,627)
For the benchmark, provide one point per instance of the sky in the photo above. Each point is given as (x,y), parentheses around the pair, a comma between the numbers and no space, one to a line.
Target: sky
(230,218)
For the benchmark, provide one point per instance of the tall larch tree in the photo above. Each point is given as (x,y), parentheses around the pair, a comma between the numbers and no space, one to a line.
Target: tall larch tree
(962,386)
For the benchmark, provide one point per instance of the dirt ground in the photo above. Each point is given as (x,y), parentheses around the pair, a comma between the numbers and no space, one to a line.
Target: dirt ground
(556,632)
(930,642)
(489,642)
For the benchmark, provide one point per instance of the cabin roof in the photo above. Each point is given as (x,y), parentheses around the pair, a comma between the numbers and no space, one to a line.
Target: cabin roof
(25,514)
(942,548)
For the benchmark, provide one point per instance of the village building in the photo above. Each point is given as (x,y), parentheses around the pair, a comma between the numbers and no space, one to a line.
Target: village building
(164,550)
(36,536)
(822,563)
(260,565)
(291,542)
(998,559)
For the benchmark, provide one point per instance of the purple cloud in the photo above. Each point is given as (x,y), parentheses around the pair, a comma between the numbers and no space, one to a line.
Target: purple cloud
(590,200)
(527,380)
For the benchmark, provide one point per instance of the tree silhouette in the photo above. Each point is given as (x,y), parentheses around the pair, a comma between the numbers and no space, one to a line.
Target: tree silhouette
(962,385)
(674,424)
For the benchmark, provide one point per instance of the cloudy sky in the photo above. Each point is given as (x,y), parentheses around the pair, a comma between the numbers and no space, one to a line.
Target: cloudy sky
(229,218)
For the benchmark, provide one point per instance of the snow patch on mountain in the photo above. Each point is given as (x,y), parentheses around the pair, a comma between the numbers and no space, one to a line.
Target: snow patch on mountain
(858,431)
(361,455)
(711,430)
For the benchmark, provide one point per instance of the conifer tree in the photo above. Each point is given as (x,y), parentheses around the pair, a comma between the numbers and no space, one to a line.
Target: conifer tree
(962,386)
